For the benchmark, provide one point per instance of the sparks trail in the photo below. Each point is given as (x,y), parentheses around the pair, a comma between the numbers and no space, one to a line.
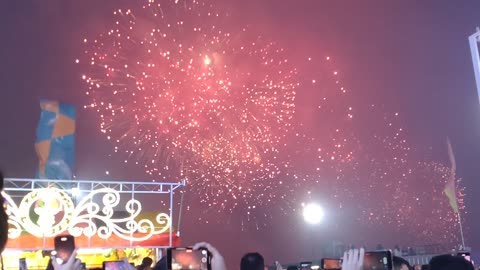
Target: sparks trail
(186,95)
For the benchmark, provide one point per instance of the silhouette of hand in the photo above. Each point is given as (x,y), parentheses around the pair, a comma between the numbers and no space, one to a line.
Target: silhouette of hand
(72,263)
(218,263)
(353,259)
(278,266)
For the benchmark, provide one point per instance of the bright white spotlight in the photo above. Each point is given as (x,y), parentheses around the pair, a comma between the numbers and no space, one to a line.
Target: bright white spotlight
(313,213)
(207,60)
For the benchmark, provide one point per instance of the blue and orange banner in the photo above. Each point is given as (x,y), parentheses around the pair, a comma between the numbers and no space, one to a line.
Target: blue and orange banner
(55,142)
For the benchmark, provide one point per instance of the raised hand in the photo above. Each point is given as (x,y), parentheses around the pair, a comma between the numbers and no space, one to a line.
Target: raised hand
(218,263)
(353,259)
(72,263)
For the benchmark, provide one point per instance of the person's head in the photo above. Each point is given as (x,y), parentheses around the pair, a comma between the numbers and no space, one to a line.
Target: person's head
(252,261)
(3,220)
(146,264)
(448,262)
(292,267)
(147,261)
(400,263)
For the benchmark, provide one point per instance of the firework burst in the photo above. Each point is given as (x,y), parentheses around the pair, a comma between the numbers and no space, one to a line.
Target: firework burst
(185,93)
(186,96)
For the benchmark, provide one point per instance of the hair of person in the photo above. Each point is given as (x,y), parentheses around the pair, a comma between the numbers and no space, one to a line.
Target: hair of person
(3,219)
(399,261)
(147,261)
(292,267)
(252,261)
(449,262)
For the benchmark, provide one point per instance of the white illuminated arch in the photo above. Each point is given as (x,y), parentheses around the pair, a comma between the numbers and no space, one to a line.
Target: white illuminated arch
(47,212)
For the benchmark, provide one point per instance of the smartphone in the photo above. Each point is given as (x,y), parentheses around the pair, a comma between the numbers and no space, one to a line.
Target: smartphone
(188,259)
(22,264)
(64,247)
(378,260)
(331,264)
(114,265)
(465,255)
(305,265)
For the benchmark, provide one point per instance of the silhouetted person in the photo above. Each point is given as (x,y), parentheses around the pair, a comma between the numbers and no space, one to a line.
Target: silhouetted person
(397,251)
(400,263)
(449,262)
(292,267)
(146,264)
(252,261)
(3,220)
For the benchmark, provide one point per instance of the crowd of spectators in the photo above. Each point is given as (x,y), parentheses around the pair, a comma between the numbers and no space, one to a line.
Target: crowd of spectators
(353,259)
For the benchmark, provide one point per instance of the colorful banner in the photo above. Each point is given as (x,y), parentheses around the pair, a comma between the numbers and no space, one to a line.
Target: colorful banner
(28,241)
(55,143)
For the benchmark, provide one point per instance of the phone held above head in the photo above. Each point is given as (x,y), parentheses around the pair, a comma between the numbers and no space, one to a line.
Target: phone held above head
(378,260)
(188,259)
(331,264)
(64,247)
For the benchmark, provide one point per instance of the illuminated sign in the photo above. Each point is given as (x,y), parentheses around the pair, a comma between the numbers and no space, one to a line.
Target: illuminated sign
(47,212)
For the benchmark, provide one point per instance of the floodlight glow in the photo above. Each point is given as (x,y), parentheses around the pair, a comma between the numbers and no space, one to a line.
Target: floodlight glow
(313,213)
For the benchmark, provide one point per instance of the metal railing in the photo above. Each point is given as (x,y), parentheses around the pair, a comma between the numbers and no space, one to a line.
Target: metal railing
(17,190)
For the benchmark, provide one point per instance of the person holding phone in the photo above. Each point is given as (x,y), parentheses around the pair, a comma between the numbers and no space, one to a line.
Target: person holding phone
(217,260)
(71,264)
(64,257)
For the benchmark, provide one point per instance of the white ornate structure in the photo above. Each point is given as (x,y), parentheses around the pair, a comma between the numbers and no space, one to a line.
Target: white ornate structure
(46,208)
(474,41)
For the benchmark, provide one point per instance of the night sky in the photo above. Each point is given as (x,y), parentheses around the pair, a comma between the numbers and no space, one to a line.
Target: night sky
(409,58)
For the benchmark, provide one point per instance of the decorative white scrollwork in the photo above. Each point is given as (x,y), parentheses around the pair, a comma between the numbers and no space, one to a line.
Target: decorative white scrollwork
(47,212)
